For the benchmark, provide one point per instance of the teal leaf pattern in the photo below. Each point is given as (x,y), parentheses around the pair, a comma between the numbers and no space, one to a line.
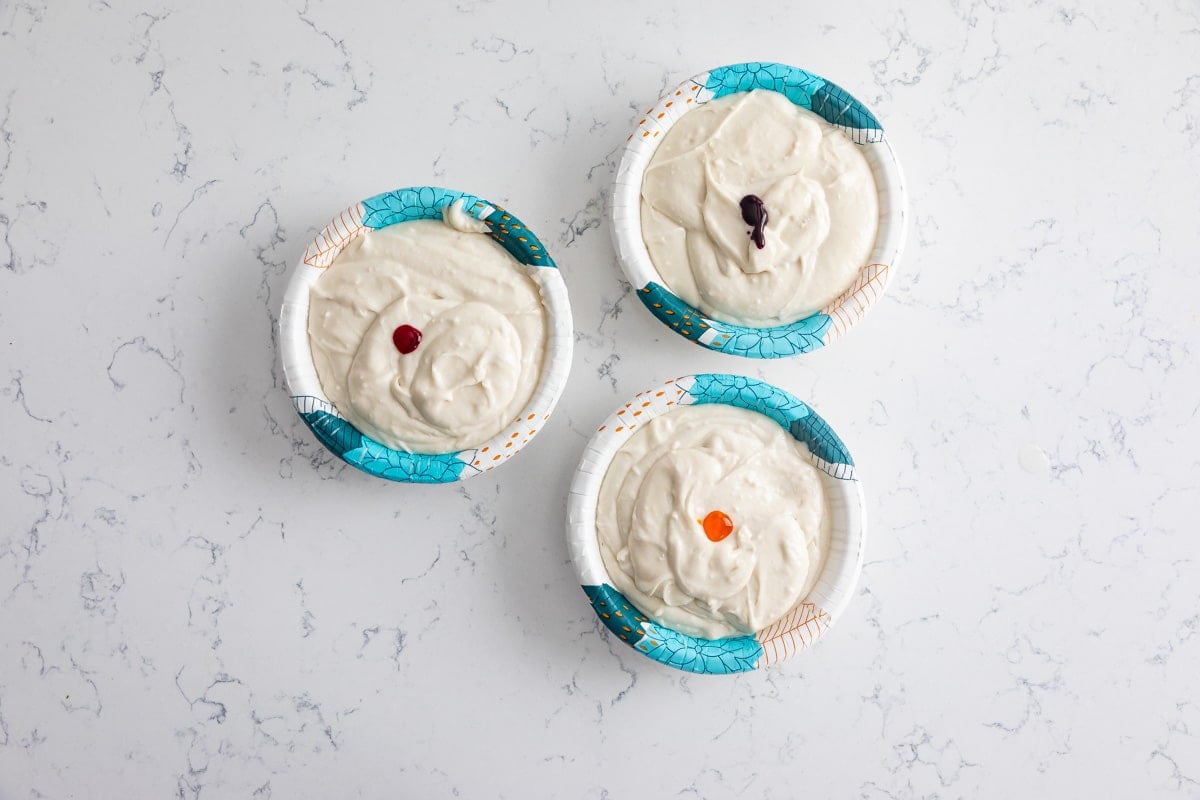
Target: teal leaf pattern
(803,88)
(791,413)
(706,656)
(348,444)
(418,202)
(428,202)
(839,107)
(802,336)
(395,465)
(821,440)
(793,83)
(334,432)
(749,393)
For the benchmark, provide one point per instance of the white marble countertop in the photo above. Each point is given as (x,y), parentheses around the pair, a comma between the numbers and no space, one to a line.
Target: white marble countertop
(196,600)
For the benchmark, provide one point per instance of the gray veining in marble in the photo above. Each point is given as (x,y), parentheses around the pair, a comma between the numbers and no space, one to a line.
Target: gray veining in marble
(197,601)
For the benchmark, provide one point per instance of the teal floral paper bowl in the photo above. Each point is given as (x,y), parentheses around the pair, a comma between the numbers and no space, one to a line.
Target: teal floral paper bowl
(810,618)
(335,432)
(809,91)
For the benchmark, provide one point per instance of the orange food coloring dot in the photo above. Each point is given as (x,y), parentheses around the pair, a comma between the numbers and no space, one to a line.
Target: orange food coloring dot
(717,525)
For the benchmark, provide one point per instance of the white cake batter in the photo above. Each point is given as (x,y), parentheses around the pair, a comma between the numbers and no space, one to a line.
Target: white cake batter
(712,520)
(817,189)
(478,318)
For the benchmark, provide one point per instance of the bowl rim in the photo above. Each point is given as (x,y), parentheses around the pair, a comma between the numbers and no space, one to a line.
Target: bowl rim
(807,90)
(337,434)
(812,616)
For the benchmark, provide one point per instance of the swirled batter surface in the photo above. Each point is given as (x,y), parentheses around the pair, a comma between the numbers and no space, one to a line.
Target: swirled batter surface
(428,336)
(712,520)
(756,211)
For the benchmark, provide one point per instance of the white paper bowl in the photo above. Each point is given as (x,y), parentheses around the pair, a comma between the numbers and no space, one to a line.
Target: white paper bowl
(346,441)
(808,91)
(810,618)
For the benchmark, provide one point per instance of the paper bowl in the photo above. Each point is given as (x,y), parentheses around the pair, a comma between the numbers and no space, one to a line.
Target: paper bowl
(808,91)
(800,628)
(346,441)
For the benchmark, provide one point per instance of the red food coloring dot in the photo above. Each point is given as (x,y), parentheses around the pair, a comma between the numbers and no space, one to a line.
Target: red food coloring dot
(717,525)
(406,338)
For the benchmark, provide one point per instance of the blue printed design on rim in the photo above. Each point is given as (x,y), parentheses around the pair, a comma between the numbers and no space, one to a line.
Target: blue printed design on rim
(706,656)
(428,202)
(363,452)
(734,653)
(790,412)
(417,202)
(838,107)
(339,435)
(802,87)
(690,322)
